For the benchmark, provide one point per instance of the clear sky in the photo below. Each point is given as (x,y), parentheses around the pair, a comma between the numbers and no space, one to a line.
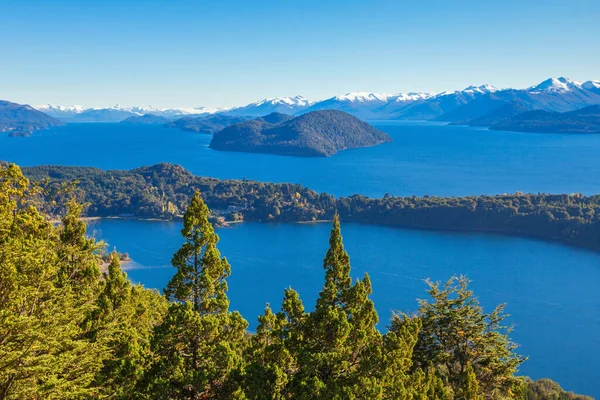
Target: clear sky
(229,52)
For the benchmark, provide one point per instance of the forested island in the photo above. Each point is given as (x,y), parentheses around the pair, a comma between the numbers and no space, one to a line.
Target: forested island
(314,134)
(70,331)
(164,190)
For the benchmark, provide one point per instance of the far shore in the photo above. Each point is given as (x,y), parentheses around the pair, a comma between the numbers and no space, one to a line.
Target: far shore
(319,221)
(179,217)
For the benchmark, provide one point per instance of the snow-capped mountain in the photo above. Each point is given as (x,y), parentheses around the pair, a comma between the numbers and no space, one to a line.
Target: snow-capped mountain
(118,113)
(284,105)
(359,104)
(470,91)
(431,106)
(554,94)
(559,85)
(362,97)
(368,105)
(60,111)
(411,96)
(593,86)
(473,102)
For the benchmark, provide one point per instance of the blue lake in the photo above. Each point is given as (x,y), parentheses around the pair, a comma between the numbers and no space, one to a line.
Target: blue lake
(551,289)
(424,158)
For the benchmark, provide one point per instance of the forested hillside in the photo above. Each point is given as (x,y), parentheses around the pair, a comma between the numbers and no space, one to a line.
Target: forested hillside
(164,190)
(68,331)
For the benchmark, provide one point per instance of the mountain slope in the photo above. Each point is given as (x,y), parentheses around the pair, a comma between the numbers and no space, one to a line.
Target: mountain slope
(146,119)
(585,120)
(118,113)
(554,94)
(433,107)
(285,105)
(20,120)
(592,86)
(362,105)
(509,110)
(314,134)
(114,114)
(60,112)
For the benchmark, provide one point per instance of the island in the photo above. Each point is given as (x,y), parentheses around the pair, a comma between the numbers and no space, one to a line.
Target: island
(23,120)
(163,191)
(207,125)
(314,134)
(584,120)
(146,119)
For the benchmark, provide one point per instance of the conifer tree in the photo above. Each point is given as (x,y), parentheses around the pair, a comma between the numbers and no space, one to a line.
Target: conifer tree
(340,352)
(78,267)
(201,271)
(44,351)
(116,289)
(124,321)
(458,337)
(199,344)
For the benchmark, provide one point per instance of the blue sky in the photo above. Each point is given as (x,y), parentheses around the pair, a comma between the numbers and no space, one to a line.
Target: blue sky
(225,53)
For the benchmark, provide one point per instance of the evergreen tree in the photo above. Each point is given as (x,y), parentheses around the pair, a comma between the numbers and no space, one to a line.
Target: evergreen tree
(467,346)
(66,332)
(341,347)
(272,370)
(44,349)
(124,320)
(116,287)
(78,267)
(199,344)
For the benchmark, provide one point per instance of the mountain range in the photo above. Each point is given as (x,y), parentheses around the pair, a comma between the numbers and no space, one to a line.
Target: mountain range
(119,113)
(481,105)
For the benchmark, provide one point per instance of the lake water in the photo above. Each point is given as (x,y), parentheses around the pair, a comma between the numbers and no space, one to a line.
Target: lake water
(424,158)
(551,289)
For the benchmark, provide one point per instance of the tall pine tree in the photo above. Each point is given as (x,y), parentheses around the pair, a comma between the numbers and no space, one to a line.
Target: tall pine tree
(199,344)
(341,346)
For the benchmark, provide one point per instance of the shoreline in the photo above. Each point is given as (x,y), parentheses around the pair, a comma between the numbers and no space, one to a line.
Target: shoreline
(494,232)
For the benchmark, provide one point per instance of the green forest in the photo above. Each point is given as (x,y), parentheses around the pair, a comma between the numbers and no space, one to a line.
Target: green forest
(165,190)
(73,327)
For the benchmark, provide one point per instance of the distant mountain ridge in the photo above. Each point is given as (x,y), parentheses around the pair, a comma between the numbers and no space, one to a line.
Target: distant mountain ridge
(474,102)
(146,119)
(584,120)
(314,134)
(22,119)
(118,113)
(209,125)
(284,105)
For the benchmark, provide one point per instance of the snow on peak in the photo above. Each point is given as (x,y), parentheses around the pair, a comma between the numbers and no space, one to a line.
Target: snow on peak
(411,96)
(364,97)
(591,85)
(556,85)
(297,101)
(51,107)
(471,90)
(480,89)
